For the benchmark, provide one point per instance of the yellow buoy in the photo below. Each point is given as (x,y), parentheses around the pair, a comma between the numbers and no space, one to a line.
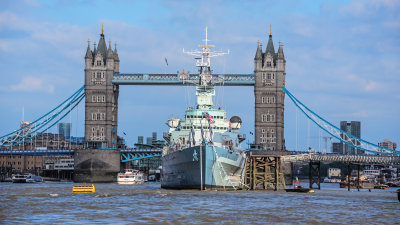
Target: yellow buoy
(83,189)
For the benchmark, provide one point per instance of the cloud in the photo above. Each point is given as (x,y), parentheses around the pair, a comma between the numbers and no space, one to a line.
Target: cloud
(4,46)
(60,38)
(364,84)
(32,3)
(354,114)
(365,8)
(33,84)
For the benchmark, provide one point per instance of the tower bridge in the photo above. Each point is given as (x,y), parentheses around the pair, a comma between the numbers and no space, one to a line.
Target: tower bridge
(102,80)
(101,158)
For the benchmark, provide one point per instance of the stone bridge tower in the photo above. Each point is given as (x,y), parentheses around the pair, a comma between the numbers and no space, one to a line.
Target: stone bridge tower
(101,103)
(269,71)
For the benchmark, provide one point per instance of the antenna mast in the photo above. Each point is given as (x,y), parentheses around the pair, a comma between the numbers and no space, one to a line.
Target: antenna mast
(203,59)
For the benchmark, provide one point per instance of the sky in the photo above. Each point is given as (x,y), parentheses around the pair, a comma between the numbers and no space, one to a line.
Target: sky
(342,60)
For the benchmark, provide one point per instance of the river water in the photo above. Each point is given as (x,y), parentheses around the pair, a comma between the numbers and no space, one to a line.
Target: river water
(53,202)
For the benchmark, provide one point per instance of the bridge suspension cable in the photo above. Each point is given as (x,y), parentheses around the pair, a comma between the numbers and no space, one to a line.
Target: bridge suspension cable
(44,123)
(339,134)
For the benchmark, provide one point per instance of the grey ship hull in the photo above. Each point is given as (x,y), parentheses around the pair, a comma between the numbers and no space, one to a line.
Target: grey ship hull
(182,170)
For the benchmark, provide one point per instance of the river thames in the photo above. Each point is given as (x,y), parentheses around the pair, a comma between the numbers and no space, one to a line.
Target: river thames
(54,203)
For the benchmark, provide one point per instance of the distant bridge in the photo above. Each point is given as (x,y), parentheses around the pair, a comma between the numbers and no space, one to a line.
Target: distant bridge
(354,159)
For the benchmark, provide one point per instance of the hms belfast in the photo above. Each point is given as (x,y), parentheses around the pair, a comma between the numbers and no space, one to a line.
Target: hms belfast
(203,149)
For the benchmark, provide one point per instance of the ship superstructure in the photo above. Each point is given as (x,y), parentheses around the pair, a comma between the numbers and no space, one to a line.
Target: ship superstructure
(202,149)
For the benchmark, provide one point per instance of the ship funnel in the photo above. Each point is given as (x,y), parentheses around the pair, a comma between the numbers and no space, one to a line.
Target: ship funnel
(173,122)
(236,122)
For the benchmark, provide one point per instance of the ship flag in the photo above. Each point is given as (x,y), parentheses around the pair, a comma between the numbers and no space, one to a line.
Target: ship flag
(209,118)
(166,61)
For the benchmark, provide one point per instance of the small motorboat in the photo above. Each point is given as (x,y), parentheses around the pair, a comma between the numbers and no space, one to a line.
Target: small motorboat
(381,186)
(300,189)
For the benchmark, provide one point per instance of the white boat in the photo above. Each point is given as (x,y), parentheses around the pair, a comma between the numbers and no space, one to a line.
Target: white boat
(130,176)
(327,180)
(371,172)
(26,178)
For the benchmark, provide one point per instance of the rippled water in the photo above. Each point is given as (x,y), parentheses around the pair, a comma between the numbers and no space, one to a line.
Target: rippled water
(50,203)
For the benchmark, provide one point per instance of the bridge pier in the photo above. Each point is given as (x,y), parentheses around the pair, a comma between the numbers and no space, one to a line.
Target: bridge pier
(315,173)
(96,165)
(264,171)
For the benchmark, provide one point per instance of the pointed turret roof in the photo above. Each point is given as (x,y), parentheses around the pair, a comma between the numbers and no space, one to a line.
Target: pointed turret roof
(258,52)
(116,58)
(280,52)
(88,52)
(110,54)
(270,47)
(94,49)
(102,47)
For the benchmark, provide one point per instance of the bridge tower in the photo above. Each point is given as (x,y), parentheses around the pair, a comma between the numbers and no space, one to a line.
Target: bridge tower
(101,103)
(270,72)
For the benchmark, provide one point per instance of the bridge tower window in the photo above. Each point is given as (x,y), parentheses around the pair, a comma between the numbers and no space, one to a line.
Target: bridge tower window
(264,117)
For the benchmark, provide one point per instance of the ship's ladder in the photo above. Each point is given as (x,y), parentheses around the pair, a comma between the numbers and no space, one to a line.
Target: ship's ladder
(223,170)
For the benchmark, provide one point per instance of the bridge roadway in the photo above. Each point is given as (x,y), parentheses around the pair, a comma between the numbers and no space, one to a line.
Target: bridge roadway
(175,79)
(295,156)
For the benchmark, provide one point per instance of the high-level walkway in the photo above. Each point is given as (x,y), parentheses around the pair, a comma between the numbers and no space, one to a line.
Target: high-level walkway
(176,79)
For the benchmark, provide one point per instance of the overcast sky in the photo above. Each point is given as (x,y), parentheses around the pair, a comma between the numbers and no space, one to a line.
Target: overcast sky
(342,59)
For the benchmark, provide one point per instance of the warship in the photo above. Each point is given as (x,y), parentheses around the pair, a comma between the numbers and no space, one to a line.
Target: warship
(202,150)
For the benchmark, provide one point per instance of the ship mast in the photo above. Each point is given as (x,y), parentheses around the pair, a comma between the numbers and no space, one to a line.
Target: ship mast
(203,61)
(205,84)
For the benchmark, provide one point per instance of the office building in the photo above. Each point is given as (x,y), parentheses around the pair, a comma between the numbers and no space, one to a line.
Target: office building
(387,143)
(64,129)
(353,128)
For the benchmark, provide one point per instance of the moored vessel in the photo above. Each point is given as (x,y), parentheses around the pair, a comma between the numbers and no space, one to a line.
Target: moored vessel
(130,176)
(26,178)
(203,149)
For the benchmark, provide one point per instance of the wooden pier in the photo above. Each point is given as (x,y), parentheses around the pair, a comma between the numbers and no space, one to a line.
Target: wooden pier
(264,170)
